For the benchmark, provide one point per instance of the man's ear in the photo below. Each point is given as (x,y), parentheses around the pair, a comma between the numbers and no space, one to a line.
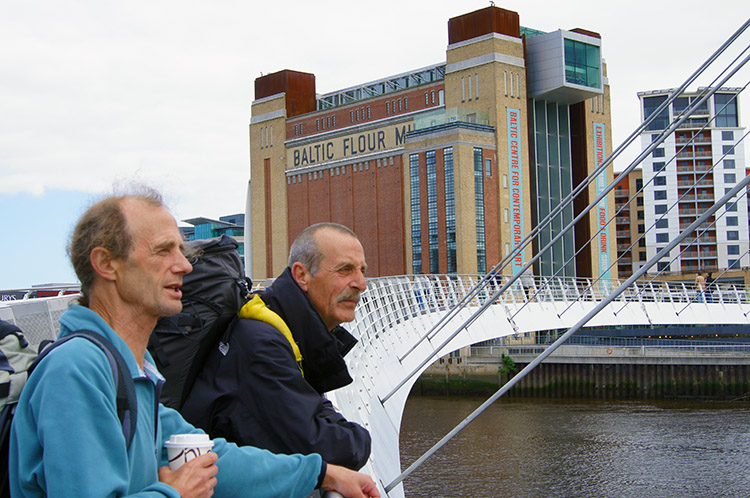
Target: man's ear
(301,275)
(103,263)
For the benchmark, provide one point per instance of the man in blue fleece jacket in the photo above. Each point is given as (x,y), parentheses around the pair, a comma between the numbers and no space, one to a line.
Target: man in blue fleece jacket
(66,436)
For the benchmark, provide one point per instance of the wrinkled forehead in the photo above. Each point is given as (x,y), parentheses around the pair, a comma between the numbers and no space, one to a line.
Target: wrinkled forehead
(340,247)
(148,221)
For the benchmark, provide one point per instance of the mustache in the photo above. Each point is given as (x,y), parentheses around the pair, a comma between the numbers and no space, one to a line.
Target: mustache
(348,295)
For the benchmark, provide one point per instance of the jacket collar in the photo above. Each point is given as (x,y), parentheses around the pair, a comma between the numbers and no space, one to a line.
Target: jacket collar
(322,350)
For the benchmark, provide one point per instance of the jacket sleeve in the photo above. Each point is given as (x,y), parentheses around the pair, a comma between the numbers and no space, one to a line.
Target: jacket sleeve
(293,417)
(245,468)
(66,438)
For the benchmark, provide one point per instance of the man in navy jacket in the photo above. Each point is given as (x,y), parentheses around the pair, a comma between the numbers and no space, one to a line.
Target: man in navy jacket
(285,351)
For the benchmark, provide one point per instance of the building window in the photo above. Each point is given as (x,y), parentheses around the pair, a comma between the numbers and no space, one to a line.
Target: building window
(658,152)
(505,181)
(488,167)
(734,250)
(733,263)
(641,242)
(387,107)
(476,82)
(660,180)
(727,149)
(333,121)
(582,64)
(733,235)
(356,115)
(660,208)
(296,131)
(416,219)
(328,122)
(725,107)
(640,215)
(662,223)
(660,195)
(650,105)
(732,221)
(479,210)
(657,167)
(317,124)
(638,183)
(450,209)
(728,163)
(727,135)
(731,207)
(469,87)
(730,178)
(433,96)
(662,266)
(641,228)
(641,256)
(351,116)
(639,200)
(432,209)
(505,73)
(506,215)
(300,129)
(426,99)
(463,90)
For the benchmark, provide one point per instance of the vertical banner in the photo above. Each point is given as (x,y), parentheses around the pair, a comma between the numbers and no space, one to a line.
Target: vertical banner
(601,209)
(516,185)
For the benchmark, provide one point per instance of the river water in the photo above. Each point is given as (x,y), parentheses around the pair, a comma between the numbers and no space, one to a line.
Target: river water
(574,448)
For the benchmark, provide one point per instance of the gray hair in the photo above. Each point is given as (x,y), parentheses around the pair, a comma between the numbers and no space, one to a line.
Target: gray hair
(305,249)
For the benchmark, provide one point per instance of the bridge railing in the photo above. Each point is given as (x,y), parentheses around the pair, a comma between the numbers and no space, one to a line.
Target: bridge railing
(389,301)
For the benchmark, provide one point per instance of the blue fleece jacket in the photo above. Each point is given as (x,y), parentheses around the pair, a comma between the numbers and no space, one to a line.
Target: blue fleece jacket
(66,439)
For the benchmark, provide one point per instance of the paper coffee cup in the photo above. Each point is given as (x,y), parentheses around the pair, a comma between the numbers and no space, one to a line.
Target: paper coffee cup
(181,448)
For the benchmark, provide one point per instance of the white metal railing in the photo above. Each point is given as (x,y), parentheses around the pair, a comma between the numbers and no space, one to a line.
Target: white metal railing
(389,301)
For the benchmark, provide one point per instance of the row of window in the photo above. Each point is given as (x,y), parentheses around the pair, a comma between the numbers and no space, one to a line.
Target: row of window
(325,123)
(515,84)
(702,165)
(597,104)
(473,91)
(340,170)
(266,137)
(725,110)
(361,114)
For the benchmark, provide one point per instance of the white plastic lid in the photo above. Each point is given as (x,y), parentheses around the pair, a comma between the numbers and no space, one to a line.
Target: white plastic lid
(189,440)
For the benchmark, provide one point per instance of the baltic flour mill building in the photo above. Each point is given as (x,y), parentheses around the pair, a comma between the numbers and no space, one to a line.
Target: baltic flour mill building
(443,169)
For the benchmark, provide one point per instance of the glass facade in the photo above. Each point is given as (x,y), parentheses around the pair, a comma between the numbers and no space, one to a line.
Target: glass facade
(479,209)
(650,104)
(725,107)
(450,209)
(432,209)
(554,181)
(416,221)
(582,64)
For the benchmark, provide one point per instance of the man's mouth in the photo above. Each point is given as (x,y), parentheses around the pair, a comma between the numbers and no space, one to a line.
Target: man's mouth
(175,288)
(349,296)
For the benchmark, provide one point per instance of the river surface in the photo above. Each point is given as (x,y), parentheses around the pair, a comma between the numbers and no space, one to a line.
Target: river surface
(574,448)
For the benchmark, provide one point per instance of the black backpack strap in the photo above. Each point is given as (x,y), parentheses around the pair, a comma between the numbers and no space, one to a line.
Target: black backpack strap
(127,404)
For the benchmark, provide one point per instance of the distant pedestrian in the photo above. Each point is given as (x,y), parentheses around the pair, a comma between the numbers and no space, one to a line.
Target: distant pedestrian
(709,292)
(700,287)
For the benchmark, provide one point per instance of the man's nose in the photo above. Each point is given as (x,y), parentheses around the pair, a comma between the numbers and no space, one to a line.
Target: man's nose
(359,282)
(183,265)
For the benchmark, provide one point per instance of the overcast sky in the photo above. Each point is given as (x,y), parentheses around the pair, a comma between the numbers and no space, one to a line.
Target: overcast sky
(92,92)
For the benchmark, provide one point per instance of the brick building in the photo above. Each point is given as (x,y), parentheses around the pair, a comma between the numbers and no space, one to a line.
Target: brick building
(443,169)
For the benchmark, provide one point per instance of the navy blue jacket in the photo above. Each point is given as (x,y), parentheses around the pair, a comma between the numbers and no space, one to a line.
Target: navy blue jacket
(256,394)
